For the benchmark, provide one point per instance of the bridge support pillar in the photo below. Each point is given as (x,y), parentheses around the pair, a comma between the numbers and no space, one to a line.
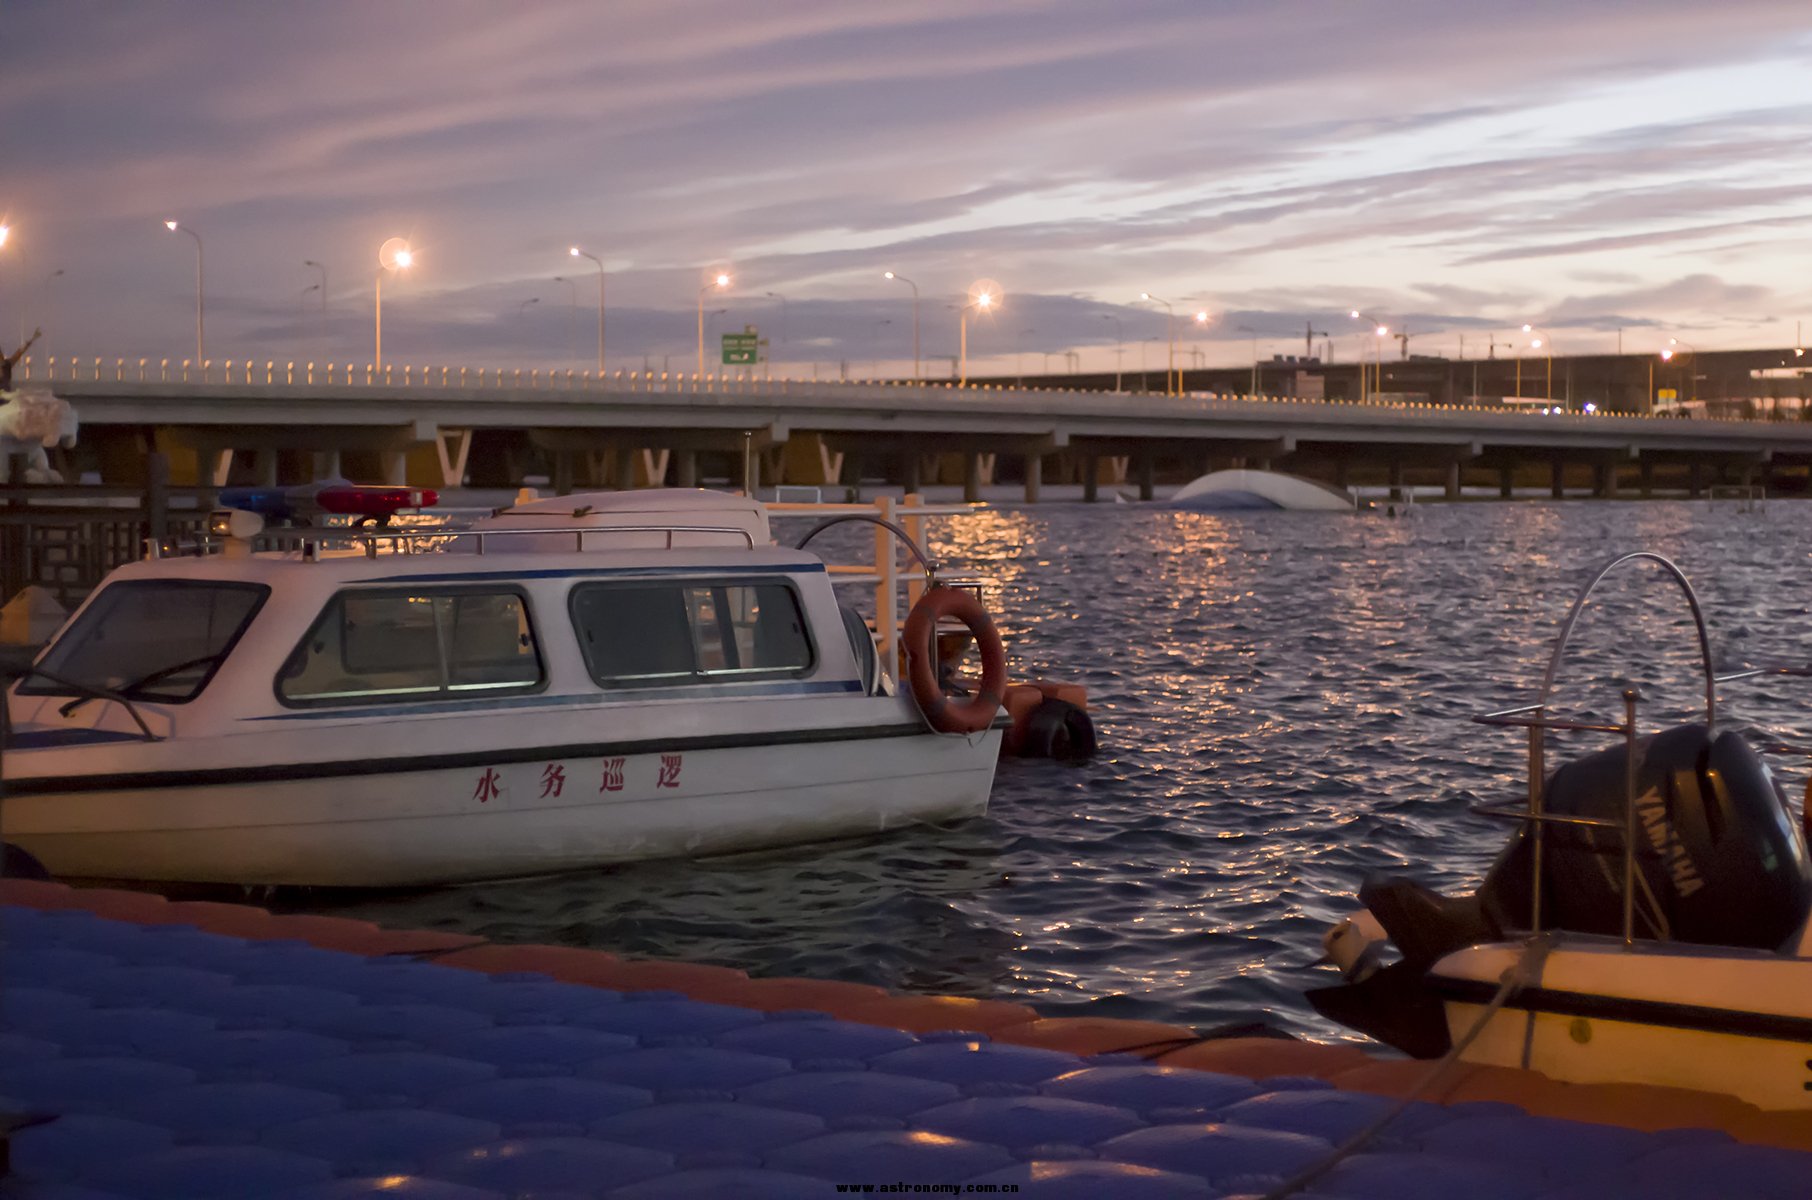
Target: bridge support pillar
(264,465)
(1506,481)
(972,478)
(395,466)
(1604,483)
(852,477)
(1695,480)
(909,472)
(1453,481)
(562,472)
(1747,475)
(1557,478)
(1341,473)
(1396,479)
(624,475)
(222,468)
(685,468)
(1147,474)
(327,465)
(1645,472)
(1091,467)
(1034,477)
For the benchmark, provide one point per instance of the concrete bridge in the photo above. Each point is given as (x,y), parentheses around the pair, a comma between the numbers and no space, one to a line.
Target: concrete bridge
(269,422)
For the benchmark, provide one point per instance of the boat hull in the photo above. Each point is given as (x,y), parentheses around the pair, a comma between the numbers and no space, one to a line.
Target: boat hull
(525,815)
(1675,1016)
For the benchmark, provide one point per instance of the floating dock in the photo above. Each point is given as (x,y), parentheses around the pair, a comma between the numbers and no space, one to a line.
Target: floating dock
(197,1051)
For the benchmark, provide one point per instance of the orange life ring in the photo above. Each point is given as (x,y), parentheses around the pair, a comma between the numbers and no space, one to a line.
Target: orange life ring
(941,712)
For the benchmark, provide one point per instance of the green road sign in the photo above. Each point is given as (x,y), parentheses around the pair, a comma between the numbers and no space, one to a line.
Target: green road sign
(740,348)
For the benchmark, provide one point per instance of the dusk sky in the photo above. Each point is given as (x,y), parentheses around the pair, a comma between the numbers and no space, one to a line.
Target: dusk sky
(1456,168)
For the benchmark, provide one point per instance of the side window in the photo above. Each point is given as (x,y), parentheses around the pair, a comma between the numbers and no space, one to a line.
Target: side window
(662,634)
(368,646)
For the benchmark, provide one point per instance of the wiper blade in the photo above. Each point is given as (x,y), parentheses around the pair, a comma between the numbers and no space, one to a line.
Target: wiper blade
(89,691)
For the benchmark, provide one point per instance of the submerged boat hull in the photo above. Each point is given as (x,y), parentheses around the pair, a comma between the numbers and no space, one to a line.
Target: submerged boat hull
(473,816)
(1666,1014)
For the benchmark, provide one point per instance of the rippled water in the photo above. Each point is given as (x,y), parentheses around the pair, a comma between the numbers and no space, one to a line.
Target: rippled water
(1281,700)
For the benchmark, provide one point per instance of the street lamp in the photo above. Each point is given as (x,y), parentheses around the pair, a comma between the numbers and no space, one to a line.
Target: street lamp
(393,255)
(37,306)
(1119,346)
(173,227)
(1254,333)
(1381,332)
(718,282)
(1544,343)
(572,316)
(1171,365)
(915,317)
(1201,319)
(984,301)
(1669,354)
(599,263)
(523,307)
(321,267)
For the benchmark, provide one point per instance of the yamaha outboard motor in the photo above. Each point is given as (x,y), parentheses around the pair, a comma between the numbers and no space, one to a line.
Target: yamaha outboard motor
(1718,862)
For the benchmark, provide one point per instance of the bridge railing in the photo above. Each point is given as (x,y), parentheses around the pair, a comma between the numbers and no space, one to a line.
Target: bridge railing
(291,373)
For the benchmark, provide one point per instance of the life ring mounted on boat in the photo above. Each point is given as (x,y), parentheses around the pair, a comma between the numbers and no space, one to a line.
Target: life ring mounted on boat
(944,713)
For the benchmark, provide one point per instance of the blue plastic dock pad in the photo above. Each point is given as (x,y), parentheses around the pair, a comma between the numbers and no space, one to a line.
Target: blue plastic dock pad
(182,1065)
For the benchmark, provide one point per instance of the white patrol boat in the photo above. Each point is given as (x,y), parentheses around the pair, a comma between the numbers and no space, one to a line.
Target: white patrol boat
(570,682)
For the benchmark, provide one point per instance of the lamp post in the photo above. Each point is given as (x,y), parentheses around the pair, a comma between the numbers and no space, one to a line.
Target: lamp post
(1254,333)
(1380,332)
(575,252)
(915,317)
(302,300)
(393,255)
(718,282)
(1669,354)
(984,302)
(43,288)
(523,307)
(321,267)
(572,316)
(1544,343)
(1201,322)
(1119,346)
(1171,365)
(173,227)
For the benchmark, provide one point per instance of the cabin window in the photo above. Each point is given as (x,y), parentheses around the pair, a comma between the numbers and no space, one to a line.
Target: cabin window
(151,639)
(656,634)
(370,646)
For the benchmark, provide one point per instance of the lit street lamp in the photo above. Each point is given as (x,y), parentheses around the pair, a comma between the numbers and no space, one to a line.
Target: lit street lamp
(719,281)
(1668,355)
(1170,369)
(599,263)
(173,227)
(984,302)
(1381,332)
(1544,343)
(915,317)
(393,255)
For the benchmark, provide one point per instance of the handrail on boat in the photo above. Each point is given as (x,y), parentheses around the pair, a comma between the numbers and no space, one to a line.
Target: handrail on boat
(372,537)
(1534,718)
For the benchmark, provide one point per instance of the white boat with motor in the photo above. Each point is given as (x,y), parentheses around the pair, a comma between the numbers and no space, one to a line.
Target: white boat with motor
(570,682)
(1648,922)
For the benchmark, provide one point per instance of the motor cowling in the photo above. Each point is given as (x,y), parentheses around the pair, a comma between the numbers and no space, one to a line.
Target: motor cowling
(1718,859)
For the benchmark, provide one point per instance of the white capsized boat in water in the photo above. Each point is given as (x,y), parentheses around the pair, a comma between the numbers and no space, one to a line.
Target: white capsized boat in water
(573,681)
(1648,922)
(1239,490)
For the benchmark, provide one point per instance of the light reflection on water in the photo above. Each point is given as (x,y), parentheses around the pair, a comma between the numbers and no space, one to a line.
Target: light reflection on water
(1282,702)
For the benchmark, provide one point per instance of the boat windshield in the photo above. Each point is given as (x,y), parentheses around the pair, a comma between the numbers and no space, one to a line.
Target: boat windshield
(151,639)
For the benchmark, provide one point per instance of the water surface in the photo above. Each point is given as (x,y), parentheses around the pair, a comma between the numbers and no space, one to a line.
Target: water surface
(1282,703)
